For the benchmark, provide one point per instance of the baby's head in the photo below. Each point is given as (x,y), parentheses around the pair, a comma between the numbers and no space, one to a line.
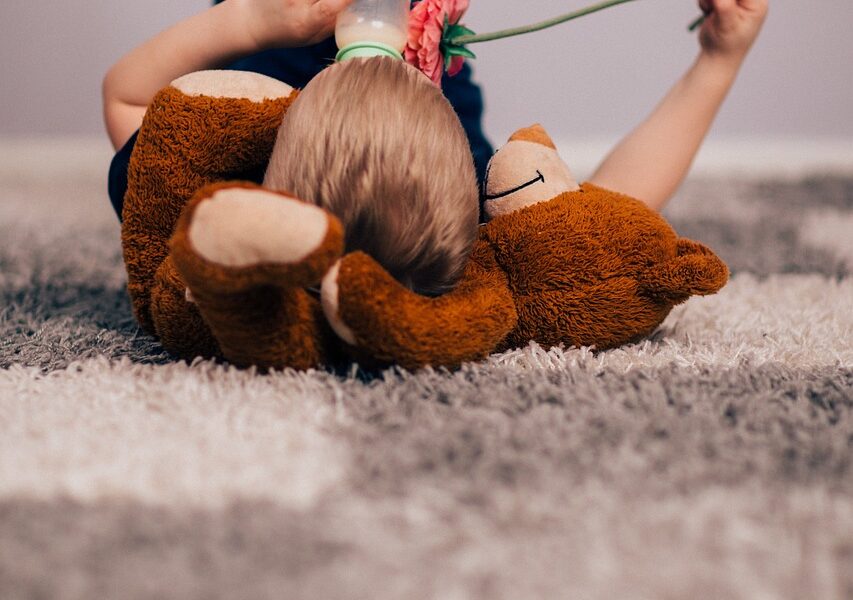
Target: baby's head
(378,145)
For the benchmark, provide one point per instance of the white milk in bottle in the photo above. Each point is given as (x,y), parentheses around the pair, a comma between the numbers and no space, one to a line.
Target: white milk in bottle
(374,31)
(384,22)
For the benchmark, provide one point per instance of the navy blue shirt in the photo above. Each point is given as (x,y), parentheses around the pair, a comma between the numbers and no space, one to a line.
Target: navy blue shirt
(296,67)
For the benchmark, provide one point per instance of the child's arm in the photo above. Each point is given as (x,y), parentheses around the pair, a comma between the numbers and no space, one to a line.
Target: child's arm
(210,39)
(652,160)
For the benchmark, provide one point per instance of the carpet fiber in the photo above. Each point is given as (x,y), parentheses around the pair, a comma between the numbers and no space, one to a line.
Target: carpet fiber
(714,460)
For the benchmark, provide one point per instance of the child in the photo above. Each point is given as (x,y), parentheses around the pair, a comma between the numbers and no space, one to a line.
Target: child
(421,228)
(649,163)
(195,44)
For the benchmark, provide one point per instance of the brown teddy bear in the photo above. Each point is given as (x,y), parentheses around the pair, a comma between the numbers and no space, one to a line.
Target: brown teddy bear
(558,263)
(232,270)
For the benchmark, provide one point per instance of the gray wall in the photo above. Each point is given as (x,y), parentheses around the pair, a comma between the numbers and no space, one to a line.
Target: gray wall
(594,77)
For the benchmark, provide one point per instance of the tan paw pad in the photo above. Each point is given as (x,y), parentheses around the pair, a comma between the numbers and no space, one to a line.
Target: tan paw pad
(232,84)
(240,227)
(330,300)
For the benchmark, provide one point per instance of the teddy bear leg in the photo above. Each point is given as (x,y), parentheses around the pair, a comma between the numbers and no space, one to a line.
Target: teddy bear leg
(177,321)
(605,315)
(204,127)
(247,255)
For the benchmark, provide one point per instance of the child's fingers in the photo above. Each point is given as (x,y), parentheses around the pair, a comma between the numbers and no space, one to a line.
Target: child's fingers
(326,10)
(753,6)
(323,15)
(724,7)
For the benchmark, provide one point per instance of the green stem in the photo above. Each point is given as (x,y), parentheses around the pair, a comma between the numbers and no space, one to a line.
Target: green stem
(697,23)
(505,33)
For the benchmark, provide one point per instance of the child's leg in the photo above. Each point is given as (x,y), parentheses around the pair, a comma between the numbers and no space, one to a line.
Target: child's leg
(246,255)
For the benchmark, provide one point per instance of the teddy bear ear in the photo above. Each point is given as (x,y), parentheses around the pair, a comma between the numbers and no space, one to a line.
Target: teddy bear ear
(695,271)
(536,134)
(527,170)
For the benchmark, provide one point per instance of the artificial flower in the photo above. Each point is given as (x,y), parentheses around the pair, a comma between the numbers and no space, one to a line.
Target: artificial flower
(438,42)
(428,23)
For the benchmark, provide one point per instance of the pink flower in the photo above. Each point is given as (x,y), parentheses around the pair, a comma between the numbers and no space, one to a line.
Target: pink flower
(426,29)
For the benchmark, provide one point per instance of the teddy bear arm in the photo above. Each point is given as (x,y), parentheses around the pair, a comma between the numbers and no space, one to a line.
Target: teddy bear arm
(394,324)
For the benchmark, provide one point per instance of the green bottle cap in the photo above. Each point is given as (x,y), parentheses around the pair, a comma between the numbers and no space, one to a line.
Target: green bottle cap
(367,49)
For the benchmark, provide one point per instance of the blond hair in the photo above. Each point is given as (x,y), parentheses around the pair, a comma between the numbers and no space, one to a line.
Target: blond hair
(377,144)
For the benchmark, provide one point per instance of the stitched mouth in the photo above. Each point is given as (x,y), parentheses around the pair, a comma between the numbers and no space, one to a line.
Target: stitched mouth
(539,177)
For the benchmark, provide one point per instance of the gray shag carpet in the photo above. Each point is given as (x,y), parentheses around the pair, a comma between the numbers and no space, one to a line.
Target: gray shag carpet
(714,460)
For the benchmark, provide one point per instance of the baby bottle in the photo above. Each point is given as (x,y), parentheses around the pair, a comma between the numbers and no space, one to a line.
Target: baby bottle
(373,28)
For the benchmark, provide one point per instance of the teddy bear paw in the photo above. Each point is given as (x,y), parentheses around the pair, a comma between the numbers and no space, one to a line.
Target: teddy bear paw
(241,228)
(330,300)
(252,236)
(232,84)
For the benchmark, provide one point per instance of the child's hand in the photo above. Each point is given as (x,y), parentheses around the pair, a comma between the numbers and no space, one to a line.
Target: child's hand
(731,26)
(282,23)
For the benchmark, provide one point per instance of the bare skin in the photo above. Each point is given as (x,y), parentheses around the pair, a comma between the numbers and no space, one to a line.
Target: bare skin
(210,39)
(652,161)
(649,163)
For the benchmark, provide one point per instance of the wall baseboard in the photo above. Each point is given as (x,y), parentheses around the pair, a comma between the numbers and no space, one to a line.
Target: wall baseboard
(752,158)
(77,158)
(745,158)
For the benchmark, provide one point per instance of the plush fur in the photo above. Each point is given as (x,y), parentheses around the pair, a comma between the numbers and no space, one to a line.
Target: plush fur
(587,267)
(186,142)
